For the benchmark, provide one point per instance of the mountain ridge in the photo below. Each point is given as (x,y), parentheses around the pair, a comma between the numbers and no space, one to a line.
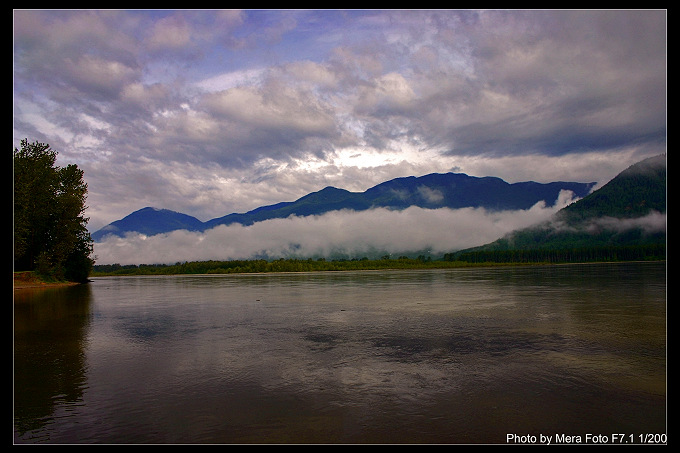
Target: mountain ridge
(630,210)
(435,190)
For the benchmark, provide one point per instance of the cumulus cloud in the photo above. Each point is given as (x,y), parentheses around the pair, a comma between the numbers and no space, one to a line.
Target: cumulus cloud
(171,33)
(271,95)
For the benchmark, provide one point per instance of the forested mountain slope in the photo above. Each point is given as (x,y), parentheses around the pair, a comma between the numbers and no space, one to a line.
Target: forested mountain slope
(628,212)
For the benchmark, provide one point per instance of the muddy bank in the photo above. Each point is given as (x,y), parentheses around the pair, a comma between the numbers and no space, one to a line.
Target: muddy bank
(23,280)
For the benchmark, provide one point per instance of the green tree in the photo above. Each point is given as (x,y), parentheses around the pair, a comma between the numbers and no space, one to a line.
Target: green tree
(50,229)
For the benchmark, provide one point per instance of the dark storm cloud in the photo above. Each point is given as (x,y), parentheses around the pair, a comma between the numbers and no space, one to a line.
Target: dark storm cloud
(557,82)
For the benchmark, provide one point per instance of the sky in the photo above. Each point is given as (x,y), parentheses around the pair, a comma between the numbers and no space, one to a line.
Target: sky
(210,112)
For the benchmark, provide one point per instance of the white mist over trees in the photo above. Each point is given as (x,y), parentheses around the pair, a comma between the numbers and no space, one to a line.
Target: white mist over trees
(351,233)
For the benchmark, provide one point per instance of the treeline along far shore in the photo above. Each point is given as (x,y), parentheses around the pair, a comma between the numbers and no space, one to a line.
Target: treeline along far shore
(648,252)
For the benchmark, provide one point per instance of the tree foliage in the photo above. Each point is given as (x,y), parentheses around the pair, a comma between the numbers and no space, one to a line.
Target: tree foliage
(640,252)
(278,265)
(634,192)
(50,229)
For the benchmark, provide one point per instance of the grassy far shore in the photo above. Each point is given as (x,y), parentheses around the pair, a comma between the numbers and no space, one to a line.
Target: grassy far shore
(280,266)
(643,252)
(288,266)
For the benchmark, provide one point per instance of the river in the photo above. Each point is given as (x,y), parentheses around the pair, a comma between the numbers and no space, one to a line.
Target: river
(530,354)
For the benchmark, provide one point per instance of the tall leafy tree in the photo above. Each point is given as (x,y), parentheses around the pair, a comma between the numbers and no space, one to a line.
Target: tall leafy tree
(50,229)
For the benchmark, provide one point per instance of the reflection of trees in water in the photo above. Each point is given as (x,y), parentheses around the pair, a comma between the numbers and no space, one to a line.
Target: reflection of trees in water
(50,327)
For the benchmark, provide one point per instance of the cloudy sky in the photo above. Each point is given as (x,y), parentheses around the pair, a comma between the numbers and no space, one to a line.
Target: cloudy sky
(209,112)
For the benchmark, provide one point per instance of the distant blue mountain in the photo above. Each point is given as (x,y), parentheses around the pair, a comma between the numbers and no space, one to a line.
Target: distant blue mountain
(437,190)
(150,221)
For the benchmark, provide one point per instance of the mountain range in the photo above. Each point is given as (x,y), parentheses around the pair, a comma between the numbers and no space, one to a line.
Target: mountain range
(437,190)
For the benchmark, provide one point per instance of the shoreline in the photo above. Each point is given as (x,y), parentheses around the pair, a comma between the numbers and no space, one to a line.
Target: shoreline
(20,286)
(366,269)
(26,280)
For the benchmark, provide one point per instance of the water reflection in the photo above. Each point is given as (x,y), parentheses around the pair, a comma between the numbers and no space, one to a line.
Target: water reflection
(462,356)
(50,328)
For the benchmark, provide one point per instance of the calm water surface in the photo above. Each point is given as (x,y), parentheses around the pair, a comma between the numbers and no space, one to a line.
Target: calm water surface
(434,356)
